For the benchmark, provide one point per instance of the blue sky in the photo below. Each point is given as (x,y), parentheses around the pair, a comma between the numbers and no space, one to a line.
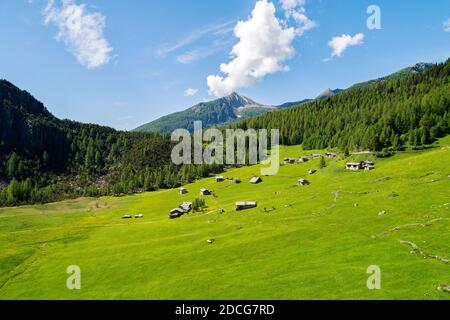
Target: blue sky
(134,60)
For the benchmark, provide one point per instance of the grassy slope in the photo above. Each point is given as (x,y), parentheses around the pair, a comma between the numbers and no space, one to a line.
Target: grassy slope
(317,248)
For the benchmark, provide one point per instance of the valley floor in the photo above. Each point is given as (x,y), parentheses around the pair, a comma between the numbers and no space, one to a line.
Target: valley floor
(313,242)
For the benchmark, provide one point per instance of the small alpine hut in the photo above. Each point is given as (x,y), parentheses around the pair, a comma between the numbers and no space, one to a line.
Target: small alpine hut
(184,208)
(315,156)
(255,180)
(331,156)
(220,179)
(368,165)
(289,161)
(312,171)
(303,183)
(183,191)
(353,166)
(245,205)
(205,192)
(176,213)
(303,159)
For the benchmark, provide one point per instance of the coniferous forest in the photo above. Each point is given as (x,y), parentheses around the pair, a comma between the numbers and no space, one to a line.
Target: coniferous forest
(411,111)
(45,159)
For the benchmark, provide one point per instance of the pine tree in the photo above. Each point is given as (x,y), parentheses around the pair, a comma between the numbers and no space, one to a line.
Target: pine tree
(323,163)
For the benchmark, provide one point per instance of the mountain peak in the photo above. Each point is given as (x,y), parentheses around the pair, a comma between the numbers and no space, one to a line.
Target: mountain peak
(328,93)
(22,98)
(419,67)
(237,100)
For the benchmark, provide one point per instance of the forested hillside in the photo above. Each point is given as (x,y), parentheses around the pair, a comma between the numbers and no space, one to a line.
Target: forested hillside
(411,111)
(44,159)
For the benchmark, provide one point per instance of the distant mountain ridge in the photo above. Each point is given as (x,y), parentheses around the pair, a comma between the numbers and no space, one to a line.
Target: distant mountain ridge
(220,111)
(236,107)
(417,68)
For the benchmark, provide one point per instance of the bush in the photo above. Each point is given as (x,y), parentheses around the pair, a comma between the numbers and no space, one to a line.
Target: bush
(198,204)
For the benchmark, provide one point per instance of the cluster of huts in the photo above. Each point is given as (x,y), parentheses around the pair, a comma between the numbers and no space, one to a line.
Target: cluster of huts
(362,165)
(181,210)
(352,166)
(304,159)
(220,179)
(186,207)
(129,216)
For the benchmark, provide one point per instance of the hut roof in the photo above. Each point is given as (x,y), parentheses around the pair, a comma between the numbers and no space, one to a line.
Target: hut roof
(255,180)
(246,203)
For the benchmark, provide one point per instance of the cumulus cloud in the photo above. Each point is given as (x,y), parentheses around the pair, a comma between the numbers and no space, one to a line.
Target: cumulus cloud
(81,31)
(447,25)
(264,44)
(340,44)
(190,92)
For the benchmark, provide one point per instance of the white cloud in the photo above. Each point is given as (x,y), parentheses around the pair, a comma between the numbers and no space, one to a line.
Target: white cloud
(190,92)
(216,29)
(292,4)
(340,44)
(295,9)
(202,52)
(446,25)
(81,32)
(264,44)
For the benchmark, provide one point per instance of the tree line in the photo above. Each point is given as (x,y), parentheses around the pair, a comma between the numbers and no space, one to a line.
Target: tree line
(391,114)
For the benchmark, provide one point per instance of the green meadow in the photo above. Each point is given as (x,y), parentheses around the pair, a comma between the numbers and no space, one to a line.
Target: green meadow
(312,242)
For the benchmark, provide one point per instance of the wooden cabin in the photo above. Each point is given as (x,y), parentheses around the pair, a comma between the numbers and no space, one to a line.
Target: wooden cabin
(183,191)
(316,156)
(331,156)
(353,166)
(245,205)
(184,208)
(303,160)
(205,192)
(303,183)
(363,165)
(176,213)
(289,161)
(368,165)
(220,179)
(312,171)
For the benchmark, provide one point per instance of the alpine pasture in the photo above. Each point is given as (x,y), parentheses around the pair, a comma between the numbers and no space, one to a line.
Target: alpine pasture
(301,242)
